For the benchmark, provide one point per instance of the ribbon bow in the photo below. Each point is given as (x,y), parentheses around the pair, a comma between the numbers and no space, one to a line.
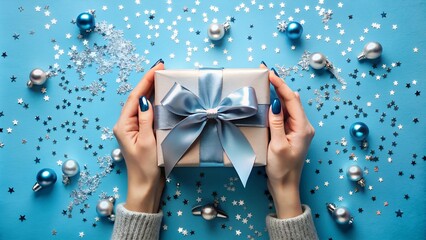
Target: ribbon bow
(210,115)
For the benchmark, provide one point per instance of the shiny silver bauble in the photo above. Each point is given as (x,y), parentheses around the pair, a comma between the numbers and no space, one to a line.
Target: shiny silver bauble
(340,214)
(70,168)
(38,76)
(317,60)
(216,31)
(105,207)
(354,173)
(116,155)
(372,50)
(209,212)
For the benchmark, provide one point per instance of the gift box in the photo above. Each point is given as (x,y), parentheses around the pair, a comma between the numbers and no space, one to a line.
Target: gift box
(212,117)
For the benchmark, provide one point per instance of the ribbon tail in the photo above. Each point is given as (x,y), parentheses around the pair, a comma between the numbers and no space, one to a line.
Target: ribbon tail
(211,153)
(180,138)
(237,148)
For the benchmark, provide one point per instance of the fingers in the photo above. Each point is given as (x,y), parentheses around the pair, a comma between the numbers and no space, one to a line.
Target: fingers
(291,101)
(276,125)
(145,118)
(143,88)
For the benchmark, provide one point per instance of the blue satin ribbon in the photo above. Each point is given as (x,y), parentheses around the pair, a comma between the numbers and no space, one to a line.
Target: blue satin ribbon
(210,116)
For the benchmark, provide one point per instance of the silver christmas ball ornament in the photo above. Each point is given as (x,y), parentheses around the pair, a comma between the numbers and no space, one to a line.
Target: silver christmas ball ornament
(37,77)
(355,174)
(209,211)
(70,168)
(317,60)
(116,155)
(105,207)
(216,31)
(372,50)
(340,214)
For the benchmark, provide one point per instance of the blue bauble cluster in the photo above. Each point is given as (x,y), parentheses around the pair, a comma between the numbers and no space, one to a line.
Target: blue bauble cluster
(359,131)
(86,22)
(294,30)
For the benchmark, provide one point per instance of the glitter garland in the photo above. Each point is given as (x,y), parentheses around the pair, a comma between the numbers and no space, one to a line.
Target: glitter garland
(88,183)
(116,53)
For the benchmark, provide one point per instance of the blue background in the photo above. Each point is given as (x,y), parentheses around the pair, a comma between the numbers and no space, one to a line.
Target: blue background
(399,150)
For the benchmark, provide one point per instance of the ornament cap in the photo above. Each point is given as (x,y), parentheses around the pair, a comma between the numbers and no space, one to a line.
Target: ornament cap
(196,211)
(227,25)
(30,84)
(111,217)
(361,182)
(65,179)
(37,187)
(221,214)
(331,207)
(361,56)
(111,199)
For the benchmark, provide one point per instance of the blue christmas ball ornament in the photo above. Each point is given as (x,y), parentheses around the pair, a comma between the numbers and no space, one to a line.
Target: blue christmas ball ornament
(294,30)
(359,131)
(86,22)
(45,177)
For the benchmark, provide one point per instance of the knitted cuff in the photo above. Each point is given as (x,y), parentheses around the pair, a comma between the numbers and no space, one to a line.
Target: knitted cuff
(136,225)
(301,227)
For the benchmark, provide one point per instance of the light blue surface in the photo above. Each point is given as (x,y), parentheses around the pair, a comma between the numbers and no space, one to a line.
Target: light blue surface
(43,211)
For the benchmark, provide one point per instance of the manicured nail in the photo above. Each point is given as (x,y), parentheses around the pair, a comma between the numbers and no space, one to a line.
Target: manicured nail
(297,94)
(143,103)
(275,72)
(262,62)
(276,106)
(157,62)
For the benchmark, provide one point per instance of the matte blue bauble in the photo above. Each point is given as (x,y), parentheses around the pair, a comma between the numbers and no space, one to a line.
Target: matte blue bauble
(294,30)
(85,21)
(359,131)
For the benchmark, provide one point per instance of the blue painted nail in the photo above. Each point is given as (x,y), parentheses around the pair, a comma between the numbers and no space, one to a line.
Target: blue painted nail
(143,103)
(262,62)
(157,62)
(276,74)
(276,106)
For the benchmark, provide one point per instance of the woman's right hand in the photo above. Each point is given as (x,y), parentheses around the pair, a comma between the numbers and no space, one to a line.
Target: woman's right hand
(291,135)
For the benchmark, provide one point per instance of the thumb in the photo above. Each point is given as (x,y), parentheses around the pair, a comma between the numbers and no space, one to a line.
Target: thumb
(145,116)
(276,124)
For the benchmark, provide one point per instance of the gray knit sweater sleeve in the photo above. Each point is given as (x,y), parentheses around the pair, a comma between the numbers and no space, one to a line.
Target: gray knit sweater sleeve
(146,226)
(301,227)
(131,225)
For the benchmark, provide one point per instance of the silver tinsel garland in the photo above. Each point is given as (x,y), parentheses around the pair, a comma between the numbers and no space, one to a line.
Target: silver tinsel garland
(88,183)
(116,53)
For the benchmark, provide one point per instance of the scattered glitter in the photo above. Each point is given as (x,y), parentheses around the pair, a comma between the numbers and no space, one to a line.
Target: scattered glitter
(116,53)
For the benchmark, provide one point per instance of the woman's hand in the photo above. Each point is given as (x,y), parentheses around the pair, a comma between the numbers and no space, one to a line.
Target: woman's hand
(291,135)
(134,132)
